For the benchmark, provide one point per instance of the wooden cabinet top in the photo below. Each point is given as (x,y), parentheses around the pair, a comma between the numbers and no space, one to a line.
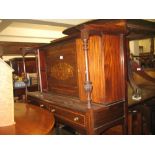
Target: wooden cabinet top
(74,103)
(69,102)
(133,28)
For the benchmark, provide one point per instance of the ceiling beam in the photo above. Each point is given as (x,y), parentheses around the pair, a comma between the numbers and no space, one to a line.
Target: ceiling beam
(4,24)
(40,22)
(24,39)
(37,37)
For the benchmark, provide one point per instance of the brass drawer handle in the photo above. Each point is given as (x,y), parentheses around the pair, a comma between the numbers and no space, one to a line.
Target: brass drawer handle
(53,110)
(41,105)
(76,119)
(134,111)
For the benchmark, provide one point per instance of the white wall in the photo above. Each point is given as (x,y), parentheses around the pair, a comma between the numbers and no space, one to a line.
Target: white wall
(134,46)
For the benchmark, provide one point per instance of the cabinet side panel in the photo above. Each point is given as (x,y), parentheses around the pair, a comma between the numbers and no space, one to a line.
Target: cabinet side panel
(113,68)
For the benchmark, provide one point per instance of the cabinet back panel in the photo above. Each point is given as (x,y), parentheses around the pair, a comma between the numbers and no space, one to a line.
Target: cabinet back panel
(62,68)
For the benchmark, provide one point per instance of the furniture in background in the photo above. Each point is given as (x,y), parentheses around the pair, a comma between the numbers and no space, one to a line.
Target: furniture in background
(142,113)
(31,73)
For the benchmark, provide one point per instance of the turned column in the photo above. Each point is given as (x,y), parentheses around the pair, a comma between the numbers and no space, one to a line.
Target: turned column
(88,84)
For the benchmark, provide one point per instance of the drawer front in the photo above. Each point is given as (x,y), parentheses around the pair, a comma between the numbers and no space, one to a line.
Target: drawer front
(67,115)
(40,103)
(108,114)
(32,100)
(62,113)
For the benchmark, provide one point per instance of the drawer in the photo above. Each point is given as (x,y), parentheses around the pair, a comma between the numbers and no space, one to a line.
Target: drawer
(67,115)
(108,114)
(44,105)
(40,103)
(32,100)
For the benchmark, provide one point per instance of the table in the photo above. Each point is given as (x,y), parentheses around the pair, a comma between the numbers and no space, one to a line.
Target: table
(29,120)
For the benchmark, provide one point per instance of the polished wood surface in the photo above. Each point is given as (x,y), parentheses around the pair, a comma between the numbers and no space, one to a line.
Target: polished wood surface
(96,26)
(107,59)
(139,29)
(114,77)
(71,111)
(14,48)
(95,68)
(62,68)
(29,120)
(105,66)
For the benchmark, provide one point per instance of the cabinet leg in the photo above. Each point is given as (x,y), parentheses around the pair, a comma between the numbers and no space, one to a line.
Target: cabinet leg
(130,124)
(125,127)
(58,128)
(139,119)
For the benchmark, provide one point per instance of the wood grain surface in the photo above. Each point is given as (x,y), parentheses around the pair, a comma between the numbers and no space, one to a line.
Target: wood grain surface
(29,120)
